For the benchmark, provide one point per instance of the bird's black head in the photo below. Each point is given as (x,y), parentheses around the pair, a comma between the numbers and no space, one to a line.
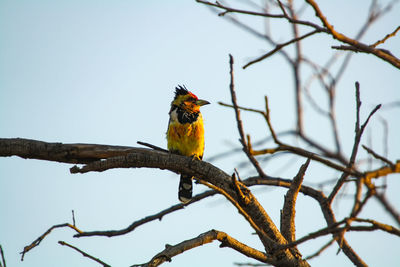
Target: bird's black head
(181,90)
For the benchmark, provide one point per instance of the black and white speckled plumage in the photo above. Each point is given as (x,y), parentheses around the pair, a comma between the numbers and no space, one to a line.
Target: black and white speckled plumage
(183,116)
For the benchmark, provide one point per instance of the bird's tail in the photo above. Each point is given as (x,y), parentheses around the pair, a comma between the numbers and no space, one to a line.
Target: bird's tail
(185,188)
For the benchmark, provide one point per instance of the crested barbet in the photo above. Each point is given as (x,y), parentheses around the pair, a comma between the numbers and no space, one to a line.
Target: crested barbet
(185,133)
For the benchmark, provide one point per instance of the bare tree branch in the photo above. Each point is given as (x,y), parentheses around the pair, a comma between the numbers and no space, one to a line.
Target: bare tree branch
(288,212)
(67,153)
(388,57)
(375,155)
(381,226)
(279,247)
(386,37)
(153,146)
(37,241)
(239,121)
(388,207)
(359,131)
(3,260)
(233,10)
(250,264)
(279,47)
(293,149)
(319,251)
(226,241)
(139,157)
(84,253)
(157,216)
(325,208)
(334,228)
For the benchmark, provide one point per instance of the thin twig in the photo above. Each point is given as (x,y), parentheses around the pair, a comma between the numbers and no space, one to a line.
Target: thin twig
(84,254)
(322,232)
(3,259)
(267,116)
(73,218)
(239,121)
(361,204)
(233,10)
(279,47)
(373,15)
(357,198)
(157,216)
(232,151)
(152,146)
(284,147)
(388,207)
(324,151)
(361,47)
(296,66)
(381,226)
(37,241)
(250,264)
(386,37)
(377,156)
(307,154)
(319,251)
(358,134)
(241,190)
(234,103)
(334,228)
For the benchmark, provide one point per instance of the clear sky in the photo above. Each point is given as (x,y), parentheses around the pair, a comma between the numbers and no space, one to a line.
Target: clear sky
(104,72)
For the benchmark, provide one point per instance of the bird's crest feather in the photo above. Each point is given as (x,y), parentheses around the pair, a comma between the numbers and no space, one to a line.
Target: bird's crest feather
(182,90)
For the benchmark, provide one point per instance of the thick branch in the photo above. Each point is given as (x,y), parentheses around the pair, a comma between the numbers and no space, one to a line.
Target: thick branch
(383,171)
(325,208)
(139,157)
(67,153)
(289,207)
(207,237)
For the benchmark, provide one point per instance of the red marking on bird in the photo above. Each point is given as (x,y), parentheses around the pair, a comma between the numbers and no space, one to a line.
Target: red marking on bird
(193,95)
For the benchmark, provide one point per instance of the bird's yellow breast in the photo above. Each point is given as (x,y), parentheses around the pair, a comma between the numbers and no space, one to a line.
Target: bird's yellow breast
(186,139)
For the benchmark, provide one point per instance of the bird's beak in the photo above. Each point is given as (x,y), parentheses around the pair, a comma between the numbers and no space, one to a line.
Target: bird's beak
(202,102)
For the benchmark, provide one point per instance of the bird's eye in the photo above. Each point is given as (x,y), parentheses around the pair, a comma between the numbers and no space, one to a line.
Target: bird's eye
(189,101)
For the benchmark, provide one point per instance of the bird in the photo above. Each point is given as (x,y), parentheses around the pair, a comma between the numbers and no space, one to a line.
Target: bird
(185,134)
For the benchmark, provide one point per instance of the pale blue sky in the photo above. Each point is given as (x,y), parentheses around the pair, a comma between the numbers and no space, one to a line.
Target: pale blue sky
(105,71)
